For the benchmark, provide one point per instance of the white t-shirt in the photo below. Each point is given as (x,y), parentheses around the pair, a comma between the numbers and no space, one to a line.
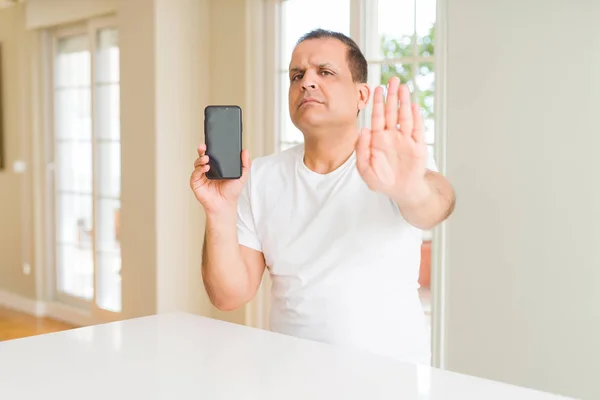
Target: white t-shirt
(343,261)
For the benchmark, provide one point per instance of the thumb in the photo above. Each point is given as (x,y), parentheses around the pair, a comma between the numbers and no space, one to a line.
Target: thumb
(246,164)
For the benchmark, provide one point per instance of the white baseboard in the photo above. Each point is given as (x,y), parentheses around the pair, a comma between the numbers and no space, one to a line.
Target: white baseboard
(69,314)
(22,303)
(54,310)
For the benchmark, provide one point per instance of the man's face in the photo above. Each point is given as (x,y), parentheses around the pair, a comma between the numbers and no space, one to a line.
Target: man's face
(322,92)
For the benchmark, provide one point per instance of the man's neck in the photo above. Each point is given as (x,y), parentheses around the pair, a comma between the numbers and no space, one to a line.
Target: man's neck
(325,153)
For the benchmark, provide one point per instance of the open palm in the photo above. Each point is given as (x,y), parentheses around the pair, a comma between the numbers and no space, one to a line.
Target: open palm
(392,155)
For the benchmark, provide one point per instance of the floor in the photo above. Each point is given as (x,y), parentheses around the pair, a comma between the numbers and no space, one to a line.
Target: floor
(14,325)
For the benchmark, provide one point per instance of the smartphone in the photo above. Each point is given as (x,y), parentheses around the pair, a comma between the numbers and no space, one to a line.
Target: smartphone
(223,137)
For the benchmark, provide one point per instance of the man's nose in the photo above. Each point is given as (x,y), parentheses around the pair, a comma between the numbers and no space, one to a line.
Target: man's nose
(309,82)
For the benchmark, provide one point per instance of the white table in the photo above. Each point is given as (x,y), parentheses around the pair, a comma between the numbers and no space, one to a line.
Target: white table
(182,356)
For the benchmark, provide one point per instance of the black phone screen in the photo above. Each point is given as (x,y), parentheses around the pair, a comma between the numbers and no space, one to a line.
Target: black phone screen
(223,133)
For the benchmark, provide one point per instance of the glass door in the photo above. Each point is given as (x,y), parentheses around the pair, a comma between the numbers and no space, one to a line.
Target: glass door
(87,169)
(73,183)
(107,146)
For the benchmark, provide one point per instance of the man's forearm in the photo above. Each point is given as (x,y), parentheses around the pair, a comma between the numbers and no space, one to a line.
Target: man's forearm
(225,275)
(433,203)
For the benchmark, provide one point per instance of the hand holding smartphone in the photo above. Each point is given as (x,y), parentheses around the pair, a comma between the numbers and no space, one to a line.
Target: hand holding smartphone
(222,167)
(223,137)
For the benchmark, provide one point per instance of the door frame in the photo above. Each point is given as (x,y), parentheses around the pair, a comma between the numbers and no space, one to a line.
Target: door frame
(59,305)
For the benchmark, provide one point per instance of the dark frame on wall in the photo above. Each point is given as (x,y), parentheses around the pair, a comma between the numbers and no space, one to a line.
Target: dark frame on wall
(2,155)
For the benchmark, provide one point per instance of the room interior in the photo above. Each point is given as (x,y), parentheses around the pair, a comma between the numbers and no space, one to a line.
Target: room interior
(510,282)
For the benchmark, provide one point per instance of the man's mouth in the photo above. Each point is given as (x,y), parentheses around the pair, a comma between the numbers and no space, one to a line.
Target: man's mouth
(309,100)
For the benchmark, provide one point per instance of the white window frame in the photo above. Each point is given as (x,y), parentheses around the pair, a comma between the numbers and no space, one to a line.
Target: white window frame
(69,308)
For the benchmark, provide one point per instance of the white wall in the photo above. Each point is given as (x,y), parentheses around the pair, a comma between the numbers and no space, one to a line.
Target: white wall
(523,299)
(15,188)
(136,21)
(44,13)
(172,57)
(181,94)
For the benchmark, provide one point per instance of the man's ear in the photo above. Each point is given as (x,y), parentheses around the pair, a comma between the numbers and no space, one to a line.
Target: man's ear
(364,94)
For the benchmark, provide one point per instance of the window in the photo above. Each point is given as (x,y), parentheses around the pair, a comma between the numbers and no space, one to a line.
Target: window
(396,36)
(87,166)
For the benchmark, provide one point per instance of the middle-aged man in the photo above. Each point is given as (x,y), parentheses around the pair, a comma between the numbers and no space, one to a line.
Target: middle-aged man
(338,220)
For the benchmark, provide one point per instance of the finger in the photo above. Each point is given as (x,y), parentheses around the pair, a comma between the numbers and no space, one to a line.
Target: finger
(246,164)
(405,117)
(363,150)
(201,161)
(391,103)
(201,149)
(418,134)
(199,173)
(377,117)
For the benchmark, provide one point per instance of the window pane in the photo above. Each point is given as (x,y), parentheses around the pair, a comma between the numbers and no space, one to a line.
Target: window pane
(108,119)
(107,232)
(109,281)
(109,169)
(390,32)
(107,56)
(302,16)
(403,71)
(429,126)
(107,88)
(425,81)
(74,166)
(74,262)
(426,15)
(431,152)
(72,62)
(75,271)
(109,254)
(74,222)
(72,110)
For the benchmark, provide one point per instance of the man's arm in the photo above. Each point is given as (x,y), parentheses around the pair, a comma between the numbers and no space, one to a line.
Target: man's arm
(431,204)
(232,273)
(391,157)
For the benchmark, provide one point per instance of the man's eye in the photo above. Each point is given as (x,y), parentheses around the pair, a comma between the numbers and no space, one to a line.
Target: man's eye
(326,73)
(296,77)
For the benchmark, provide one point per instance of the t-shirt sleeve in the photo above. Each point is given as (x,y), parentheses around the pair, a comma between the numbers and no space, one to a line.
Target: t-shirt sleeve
(431,164)
(246,228)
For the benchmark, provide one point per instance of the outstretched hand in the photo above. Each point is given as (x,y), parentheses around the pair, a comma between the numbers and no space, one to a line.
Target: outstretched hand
(391,157)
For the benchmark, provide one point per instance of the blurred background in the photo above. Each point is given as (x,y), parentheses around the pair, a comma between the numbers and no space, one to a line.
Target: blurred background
(101,111)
